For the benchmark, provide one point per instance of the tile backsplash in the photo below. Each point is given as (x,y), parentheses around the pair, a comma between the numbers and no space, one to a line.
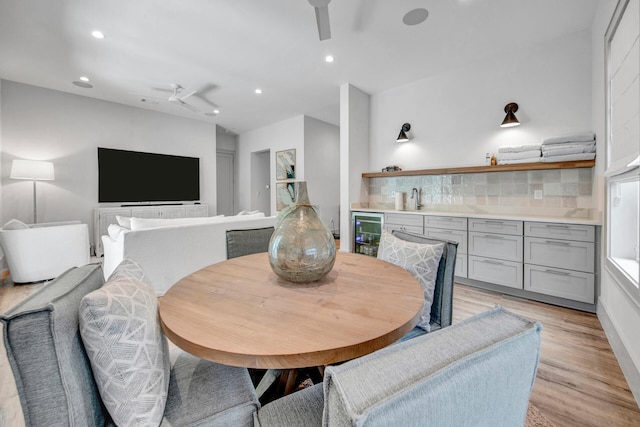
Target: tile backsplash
(563,190)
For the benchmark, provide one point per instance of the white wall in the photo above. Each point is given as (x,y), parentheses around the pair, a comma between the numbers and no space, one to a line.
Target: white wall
(279,136)
(322,160)
(43,124)
(455,117)
(355,114)
(615,307)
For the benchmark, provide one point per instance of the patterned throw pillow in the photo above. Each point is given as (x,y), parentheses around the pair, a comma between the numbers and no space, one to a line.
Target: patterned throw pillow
(419,259)
(129,269)
(128,352)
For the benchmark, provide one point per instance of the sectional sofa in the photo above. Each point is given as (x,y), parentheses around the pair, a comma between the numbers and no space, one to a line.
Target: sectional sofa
(169,249)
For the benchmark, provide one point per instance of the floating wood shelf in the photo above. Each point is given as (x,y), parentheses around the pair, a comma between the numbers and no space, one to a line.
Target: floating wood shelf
(479,169)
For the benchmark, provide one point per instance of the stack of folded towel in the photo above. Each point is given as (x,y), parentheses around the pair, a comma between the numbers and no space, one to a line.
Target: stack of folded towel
(518,154)
(569,148)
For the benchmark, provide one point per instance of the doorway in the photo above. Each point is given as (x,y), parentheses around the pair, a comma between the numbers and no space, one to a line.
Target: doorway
(261,181)
(225,182)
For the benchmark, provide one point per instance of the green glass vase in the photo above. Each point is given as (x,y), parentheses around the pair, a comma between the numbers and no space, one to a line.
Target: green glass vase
(302,248)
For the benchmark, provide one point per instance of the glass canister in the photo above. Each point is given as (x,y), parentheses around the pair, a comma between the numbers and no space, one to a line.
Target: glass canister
(302,248)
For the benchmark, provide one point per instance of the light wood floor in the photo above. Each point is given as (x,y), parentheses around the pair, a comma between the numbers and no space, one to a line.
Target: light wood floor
(579,382)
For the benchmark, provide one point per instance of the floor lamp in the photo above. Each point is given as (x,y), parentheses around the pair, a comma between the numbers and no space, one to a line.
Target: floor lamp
(34,170)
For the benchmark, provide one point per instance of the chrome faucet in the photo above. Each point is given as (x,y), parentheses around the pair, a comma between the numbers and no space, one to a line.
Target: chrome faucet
(416,199)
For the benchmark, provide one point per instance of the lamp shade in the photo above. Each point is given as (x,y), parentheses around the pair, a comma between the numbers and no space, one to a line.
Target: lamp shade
(402,137)
(32,169)
(510,119)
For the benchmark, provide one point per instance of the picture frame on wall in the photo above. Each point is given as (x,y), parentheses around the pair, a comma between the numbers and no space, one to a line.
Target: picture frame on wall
(285,194)
(286,164)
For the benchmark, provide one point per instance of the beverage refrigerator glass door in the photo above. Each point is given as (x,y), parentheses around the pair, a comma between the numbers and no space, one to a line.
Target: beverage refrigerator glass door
(367,228)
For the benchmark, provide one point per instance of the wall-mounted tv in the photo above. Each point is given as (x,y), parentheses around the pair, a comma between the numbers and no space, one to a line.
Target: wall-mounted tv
(132,176)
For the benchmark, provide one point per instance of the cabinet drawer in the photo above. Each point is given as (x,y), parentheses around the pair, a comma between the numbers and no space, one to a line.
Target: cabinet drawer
(495,226)
(505,273)
(496,246)
(461,265)
(404,219)
(458,236)
(572,285)
(146,212)
(564,254)
(582,233)
(407,228)
(448,222)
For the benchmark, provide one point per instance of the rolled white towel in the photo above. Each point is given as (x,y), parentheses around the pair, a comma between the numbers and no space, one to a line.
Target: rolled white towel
(513,162)
(569,157)
(585,147)
(518,156)
(578,137)
(519,148)
(569,150)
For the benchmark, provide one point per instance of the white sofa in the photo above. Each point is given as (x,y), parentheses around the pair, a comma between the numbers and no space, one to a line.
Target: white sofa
(39,252)
(170,249)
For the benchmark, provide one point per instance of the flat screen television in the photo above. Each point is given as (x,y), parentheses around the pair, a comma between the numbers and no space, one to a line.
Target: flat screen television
(132,176)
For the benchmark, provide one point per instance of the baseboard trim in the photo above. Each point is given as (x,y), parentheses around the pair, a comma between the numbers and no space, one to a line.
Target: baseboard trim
(629,369)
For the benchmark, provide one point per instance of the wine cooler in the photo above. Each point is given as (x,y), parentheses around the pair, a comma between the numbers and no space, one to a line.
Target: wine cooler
(367,228)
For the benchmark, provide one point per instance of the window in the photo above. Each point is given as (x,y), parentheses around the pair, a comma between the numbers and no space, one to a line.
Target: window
(623,252)
(622,219)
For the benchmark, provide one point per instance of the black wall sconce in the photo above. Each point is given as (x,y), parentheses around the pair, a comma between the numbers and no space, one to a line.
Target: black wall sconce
(510,119)
(403,133)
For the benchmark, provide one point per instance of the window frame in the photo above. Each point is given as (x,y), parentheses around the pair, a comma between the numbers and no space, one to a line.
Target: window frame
(619,170)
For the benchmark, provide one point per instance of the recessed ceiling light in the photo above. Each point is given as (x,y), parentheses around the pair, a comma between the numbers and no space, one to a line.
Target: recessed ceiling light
(84,79)
(258,91)
(329,58)
(415,16)
(216,111)
(212,113)
(83,85)
(97,34)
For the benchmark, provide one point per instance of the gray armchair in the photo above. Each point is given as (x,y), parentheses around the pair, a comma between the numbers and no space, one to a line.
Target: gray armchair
(442,307)
(478,372)
(56,384)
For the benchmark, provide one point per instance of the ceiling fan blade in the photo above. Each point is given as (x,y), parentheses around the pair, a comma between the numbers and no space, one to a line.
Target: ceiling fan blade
(188,106)
(322,19)
(186,94)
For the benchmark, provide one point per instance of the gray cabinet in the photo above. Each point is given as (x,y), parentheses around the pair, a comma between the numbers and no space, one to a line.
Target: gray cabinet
(404,222)
(560,260)
(495,251)
(453,229)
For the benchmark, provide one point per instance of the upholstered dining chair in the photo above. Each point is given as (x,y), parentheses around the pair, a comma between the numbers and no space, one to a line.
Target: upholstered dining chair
(58,383)
(442,305)
(247,242)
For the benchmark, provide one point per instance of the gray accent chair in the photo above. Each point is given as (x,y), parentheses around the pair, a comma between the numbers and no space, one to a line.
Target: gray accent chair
(247,242)
(478,372)
(442,307)
(54,378)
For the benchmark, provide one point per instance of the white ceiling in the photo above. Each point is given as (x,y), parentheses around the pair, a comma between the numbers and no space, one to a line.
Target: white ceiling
(227,48)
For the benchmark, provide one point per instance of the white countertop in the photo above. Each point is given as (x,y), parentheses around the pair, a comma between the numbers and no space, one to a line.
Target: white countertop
(595,218)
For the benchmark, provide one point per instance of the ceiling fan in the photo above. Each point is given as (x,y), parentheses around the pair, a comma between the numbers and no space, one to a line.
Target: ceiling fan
(178,96)
(322,17)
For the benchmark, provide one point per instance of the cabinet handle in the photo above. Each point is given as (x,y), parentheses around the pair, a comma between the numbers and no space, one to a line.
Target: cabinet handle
(559,273)
(488,261)
(494,222)
(554,242)
(556,226)
(492,236)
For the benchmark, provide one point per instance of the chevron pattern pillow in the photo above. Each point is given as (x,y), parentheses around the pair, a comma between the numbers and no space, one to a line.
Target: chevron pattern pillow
(419,259)
(128,352)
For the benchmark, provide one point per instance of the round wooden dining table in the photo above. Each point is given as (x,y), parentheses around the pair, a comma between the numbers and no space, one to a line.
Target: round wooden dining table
(238,312)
